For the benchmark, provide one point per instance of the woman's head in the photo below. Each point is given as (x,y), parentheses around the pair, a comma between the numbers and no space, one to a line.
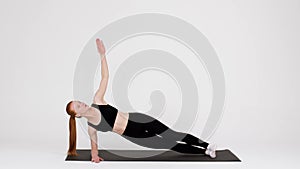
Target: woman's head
(79,108)
(70,109)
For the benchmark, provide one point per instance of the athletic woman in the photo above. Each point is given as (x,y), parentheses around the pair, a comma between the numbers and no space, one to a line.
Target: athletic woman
(137,127)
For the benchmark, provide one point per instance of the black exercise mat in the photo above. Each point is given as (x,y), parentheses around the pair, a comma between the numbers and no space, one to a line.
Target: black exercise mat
(153,155)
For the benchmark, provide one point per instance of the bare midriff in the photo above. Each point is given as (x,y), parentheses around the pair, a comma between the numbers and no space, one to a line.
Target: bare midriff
(121,122)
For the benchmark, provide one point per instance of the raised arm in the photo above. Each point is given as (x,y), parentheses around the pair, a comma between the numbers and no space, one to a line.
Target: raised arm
(99,95)
(94,146)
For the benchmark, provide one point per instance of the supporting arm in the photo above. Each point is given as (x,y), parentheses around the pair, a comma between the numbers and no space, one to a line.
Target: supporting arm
(94,146)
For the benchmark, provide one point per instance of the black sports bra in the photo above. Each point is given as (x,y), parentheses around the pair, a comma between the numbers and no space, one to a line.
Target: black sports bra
(108,117)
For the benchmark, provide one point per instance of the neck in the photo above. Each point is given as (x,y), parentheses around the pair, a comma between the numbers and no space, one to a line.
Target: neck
(88,114)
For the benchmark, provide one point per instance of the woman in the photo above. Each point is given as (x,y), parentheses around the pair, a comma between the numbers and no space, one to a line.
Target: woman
(139,128)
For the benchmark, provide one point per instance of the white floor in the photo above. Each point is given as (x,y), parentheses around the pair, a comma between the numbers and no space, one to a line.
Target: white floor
(33,156)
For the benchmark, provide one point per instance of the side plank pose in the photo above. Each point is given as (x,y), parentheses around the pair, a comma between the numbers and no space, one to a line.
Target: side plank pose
(137,127)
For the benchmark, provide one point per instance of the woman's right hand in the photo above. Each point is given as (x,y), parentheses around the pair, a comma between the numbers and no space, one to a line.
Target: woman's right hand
(100,47)
(96,159)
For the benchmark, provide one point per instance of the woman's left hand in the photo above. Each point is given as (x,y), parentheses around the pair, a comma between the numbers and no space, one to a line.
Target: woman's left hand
(96,159)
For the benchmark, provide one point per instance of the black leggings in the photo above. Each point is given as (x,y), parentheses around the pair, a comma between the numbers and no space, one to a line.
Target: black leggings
(147,131)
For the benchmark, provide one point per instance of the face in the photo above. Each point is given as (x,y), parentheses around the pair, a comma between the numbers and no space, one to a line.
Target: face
(79,108)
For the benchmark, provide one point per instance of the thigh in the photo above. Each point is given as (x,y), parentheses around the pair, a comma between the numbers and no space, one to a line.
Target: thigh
(142,125)
(148,123)
(136,125)
(147,131)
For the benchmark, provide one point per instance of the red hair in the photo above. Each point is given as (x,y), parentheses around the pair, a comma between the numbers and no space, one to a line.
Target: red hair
(72,130)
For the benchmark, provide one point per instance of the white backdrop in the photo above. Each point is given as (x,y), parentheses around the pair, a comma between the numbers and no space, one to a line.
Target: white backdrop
(257,43)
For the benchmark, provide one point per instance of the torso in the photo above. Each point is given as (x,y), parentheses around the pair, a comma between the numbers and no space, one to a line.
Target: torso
(96,113)
(120,122)
(96,116)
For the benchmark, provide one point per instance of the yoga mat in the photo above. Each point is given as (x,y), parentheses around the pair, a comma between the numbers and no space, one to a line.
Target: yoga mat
(147,155)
